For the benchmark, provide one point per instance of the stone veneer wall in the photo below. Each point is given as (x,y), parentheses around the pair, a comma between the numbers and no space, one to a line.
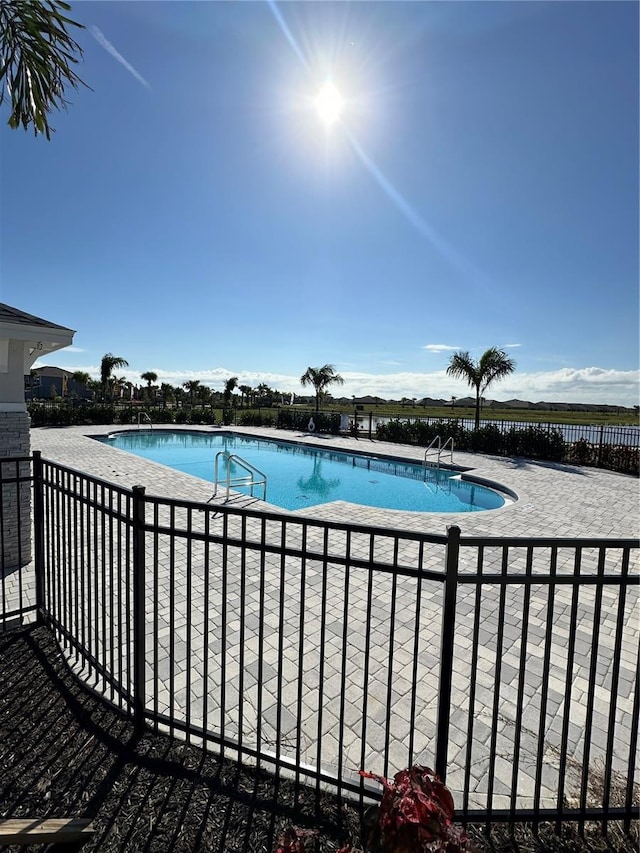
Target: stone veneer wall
(15,521)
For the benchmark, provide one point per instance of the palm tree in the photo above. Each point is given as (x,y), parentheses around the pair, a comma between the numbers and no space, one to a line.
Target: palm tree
(493,364)
(167,391)
(149,377)
(321,378)
(36,58)
(192,387)
(80,377)
(245,391)
(119,385)
(107,366)
(204,395)
(229,385)
(94,386)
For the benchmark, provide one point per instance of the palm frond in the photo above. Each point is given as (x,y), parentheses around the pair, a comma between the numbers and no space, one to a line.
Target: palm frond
(36,58)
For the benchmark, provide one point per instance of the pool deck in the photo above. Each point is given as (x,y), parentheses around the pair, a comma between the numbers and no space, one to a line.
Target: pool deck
(554,499)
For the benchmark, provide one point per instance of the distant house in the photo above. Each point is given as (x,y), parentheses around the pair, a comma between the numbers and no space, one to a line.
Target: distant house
(367,401)
(45,383)
(433,403)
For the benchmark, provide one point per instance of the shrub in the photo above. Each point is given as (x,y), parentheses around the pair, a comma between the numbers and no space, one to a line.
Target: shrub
(199,415)
(162,416)
(258,418)
(296,419)
(126,416)
(415,815)
(393,430)
(619,457)
(488,439)
(581,452)
(535,442)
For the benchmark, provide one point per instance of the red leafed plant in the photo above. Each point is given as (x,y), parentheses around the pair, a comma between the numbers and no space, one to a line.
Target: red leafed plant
(415,815)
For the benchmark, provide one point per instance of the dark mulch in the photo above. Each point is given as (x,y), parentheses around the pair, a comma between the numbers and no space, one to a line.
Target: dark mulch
(64,753)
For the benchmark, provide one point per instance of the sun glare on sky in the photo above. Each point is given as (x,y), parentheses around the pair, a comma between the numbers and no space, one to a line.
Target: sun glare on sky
(329,104)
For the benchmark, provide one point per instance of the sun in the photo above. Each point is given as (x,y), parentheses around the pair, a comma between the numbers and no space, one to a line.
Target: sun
(329,104)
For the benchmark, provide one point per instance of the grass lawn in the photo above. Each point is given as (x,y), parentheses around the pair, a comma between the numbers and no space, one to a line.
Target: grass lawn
(524,415)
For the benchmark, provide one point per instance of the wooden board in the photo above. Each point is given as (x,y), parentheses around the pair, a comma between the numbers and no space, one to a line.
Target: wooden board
(35,831)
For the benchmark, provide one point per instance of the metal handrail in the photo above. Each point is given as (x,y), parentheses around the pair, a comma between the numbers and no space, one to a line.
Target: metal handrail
(146,417)
(232,482)
(440,448)
(437,443)
(449,441)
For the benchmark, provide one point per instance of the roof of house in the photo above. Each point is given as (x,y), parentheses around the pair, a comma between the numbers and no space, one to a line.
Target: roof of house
(8,314)
(48,370)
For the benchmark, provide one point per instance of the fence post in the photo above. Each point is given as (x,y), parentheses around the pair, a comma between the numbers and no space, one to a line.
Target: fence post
(600,446)
(446,648)
(38,534)
(370,423)
(139,651)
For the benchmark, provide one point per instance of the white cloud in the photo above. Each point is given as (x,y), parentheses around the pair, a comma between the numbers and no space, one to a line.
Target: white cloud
(511,346)
(439,347)
(567,385)
(106,44)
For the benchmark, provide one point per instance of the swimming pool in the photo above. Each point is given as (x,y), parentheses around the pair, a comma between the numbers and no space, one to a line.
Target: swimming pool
(301,476)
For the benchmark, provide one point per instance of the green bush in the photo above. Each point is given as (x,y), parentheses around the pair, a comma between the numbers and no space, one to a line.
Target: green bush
(614,457)
(298,420)
(393,430)
(126,416)
(42,415)
(258,418)
(199,415)
(162,416)
(67,414)
(536,442)
(533,442)
(581,452)
(488,439)
(620,457)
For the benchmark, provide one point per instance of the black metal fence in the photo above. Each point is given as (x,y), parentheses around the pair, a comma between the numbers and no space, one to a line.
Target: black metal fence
(315,649)
(17,579)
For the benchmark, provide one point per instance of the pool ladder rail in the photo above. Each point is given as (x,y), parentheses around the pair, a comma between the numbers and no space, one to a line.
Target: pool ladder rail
(436,449)
(144,416)
(253,476)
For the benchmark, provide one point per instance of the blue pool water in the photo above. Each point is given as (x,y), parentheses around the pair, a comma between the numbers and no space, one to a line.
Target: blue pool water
(301,476)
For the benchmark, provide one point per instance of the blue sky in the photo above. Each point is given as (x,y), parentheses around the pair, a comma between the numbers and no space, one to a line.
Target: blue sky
(195,215)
